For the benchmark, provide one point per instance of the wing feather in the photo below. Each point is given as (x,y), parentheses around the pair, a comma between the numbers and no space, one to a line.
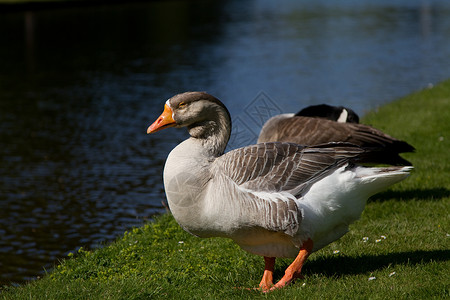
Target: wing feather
(283,167)
(313,131)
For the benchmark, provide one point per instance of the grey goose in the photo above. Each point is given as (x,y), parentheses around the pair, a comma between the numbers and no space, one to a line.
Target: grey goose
(273,199)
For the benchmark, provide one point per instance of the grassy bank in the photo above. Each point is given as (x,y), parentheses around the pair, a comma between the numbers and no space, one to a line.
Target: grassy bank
(399,249)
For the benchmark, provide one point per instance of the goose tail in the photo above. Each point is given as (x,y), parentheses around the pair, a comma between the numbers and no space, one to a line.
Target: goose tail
(377,179)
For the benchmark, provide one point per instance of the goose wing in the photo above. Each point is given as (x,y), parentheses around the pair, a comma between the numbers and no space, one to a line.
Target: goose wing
(312,131)
(283,167)
(262,181)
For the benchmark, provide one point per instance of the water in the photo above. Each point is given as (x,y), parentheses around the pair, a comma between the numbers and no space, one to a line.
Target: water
(79,86)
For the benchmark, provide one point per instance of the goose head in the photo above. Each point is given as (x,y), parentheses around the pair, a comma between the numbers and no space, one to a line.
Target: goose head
(206,118)
(339,114)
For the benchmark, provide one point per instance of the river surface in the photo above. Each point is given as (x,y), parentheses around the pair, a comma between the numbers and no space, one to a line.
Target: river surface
(79,87)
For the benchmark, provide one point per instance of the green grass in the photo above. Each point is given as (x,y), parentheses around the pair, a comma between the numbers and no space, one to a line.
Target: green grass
(160,260)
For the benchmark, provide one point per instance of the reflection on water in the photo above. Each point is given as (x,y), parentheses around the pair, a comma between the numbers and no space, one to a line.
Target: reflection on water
(78,88)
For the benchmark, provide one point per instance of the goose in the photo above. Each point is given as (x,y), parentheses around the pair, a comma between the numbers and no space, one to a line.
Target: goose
(339,114)
(305,130)
(273,199)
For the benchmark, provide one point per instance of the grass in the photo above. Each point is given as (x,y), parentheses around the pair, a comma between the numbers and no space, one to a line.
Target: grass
(410,261)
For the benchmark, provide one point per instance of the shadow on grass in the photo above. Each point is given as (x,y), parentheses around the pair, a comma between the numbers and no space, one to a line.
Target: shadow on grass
(434,194)
(342,265)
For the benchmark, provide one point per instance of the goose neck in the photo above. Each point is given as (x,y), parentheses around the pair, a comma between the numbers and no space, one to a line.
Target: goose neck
(212,134)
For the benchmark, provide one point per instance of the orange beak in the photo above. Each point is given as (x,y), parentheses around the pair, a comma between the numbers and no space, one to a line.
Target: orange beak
(165,120)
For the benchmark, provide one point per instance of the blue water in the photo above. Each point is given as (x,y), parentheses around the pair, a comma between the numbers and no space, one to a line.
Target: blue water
(79,86)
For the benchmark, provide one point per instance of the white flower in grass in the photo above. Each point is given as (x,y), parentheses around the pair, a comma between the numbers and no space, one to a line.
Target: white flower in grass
(392,274)
(180,242)
(377,241)
(365,239)
(304,283)
(383,237)
(336,251)
(372,278)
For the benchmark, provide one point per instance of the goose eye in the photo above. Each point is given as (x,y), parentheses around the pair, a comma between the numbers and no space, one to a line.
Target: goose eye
(181,105)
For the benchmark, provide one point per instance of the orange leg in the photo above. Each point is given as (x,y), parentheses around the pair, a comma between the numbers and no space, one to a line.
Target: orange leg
(267,279)
(294,270)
